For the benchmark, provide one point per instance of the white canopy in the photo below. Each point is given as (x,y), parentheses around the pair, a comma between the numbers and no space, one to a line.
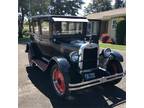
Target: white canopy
(70,19)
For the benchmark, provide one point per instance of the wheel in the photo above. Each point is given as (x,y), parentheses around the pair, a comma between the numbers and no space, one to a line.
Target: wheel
(114,67)
(58,82)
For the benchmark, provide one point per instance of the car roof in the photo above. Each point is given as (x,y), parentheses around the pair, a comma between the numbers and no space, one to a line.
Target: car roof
(50,17)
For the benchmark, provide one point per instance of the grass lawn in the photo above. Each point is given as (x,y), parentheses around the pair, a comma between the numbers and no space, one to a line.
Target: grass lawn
(113,46)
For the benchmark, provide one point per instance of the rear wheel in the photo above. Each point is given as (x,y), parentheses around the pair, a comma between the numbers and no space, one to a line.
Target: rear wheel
(59,82)
(114,67)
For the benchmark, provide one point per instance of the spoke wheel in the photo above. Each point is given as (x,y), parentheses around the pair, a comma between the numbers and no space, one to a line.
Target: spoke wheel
(58,81)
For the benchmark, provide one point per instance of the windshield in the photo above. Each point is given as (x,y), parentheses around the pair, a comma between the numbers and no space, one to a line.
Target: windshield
(67,28)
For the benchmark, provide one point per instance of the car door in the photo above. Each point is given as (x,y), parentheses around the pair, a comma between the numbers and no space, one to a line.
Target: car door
(45,44)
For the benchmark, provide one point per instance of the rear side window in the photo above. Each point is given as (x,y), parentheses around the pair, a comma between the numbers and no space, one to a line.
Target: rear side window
(36,28)
(45,29)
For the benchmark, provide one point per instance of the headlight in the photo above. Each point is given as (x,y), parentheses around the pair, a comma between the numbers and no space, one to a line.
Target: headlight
(107,52)
(74,56)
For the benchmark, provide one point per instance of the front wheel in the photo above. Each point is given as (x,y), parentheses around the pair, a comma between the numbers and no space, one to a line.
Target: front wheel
(114,67)
(58,82)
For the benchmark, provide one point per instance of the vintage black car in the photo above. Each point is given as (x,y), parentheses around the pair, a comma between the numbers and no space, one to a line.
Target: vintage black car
(66,48)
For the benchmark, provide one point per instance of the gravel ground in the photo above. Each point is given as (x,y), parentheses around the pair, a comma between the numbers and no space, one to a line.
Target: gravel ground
(33,92)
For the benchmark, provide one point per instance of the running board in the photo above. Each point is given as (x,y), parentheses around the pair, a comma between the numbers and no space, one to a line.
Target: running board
(86,84)
(41,64)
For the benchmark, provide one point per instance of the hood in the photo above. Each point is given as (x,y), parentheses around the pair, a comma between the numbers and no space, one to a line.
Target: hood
(77,43)
(73,45)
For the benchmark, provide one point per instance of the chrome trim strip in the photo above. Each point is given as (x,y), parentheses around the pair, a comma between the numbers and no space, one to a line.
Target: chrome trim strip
(88,70)
(92,69)
(102,68)
(94,82)
(79,88)
(45,59)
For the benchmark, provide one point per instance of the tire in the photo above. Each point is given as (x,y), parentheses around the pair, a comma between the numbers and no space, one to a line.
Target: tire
(114,67)
(58,82)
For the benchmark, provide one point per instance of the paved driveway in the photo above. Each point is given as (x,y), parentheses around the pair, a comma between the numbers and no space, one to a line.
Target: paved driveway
(33,91)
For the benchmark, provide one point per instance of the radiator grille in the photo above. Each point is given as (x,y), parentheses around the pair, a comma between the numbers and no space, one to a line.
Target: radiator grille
(90,58)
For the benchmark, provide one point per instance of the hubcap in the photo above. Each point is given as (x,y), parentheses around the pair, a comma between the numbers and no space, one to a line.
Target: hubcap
(58,81)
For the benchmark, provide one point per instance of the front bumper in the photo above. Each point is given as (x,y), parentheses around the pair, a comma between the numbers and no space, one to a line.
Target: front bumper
(86,84)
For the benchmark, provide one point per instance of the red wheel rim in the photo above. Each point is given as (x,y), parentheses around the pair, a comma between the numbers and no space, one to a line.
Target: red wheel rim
(58,81)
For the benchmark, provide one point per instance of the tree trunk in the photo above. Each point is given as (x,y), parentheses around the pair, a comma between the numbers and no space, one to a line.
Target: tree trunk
(20,24)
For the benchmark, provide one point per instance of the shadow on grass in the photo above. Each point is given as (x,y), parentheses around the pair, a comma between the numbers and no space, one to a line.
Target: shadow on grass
(96,97)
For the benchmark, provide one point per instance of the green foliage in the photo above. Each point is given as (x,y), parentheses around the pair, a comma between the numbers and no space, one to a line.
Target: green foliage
(121,32)
(39,6)
(98,6)
(65,7)
(25,38)
(119,3)
(54,7)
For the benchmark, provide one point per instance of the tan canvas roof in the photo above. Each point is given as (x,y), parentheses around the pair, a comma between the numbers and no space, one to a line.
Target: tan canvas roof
(107,14)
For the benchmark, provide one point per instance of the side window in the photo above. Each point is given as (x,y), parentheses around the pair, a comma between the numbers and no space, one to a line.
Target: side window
(36,28)
(71,28)
(45,29)
(65,27)
(89,28)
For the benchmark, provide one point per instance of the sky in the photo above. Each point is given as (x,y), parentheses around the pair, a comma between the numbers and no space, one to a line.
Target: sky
(81,13)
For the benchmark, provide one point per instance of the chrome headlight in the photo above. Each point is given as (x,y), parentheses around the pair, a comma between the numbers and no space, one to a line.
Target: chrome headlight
(106,52)
(74,56)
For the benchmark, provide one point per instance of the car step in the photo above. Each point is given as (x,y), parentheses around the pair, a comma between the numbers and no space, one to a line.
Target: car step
(41,64)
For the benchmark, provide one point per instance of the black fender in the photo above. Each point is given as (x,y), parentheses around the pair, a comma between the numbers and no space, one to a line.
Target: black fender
(62,63)
(116,56)
(33,49)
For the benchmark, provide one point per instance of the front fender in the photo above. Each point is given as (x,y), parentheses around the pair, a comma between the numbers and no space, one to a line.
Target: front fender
(116,56)
(62,63)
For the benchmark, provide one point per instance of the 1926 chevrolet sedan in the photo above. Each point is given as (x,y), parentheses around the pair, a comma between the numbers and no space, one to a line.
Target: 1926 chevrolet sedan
(66,48)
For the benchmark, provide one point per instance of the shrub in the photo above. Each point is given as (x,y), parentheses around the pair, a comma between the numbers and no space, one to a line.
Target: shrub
(121,32)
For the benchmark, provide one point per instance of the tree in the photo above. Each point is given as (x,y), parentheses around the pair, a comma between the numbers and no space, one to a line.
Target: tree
(22,9)
(121,32)
(28,8)
(120,3)
(65,7)
(39,6)
(54,7)
(98,6)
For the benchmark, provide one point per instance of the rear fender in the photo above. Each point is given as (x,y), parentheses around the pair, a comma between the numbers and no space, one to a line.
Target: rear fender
(33,50)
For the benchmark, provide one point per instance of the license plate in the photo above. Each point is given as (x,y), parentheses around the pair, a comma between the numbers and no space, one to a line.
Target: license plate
(89,76)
